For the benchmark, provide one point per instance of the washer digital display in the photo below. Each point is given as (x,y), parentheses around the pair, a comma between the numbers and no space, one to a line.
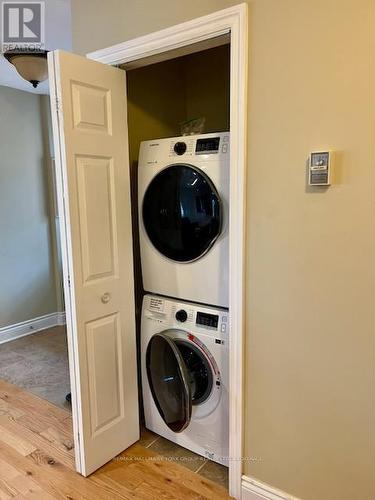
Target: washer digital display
(205,319)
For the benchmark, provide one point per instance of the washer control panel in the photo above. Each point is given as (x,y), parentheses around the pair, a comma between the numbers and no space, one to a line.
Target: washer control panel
(195,318)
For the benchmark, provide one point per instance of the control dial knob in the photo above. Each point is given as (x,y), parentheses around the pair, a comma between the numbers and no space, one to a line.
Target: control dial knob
(181,315)
(180,148)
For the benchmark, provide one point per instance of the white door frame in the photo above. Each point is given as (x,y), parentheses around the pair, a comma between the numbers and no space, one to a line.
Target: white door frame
(234,21)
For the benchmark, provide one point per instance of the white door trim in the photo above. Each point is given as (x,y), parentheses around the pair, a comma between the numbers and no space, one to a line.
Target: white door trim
(234,21)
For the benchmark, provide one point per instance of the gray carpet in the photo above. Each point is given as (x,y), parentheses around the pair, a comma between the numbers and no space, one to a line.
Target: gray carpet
(39,364)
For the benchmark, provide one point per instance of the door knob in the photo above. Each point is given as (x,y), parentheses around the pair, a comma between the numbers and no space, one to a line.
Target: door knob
(106,298)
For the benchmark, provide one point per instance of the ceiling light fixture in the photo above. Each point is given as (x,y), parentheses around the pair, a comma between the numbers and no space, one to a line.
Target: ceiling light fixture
(31,65)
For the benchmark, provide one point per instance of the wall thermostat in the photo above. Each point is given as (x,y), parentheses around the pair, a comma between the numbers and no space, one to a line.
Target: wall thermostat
(319,169)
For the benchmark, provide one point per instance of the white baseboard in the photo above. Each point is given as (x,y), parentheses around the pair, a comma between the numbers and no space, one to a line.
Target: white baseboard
(61,320)
(252,489)
(12,332)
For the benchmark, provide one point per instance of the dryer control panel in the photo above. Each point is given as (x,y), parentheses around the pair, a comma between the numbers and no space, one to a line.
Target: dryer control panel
(185,315)
(200,145)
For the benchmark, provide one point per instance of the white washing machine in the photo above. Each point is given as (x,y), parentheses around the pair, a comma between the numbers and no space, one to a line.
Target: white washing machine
(183,193)
(184,353)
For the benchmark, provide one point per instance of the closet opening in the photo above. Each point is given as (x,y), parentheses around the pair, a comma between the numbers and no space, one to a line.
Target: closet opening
(179,141)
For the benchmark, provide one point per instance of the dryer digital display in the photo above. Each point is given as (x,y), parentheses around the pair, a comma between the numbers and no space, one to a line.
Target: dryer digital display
(207,146)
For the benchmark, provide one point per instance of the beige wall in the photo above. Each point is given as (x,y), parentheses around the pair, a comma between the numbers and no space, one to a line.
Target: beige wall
(26,260)
(97,23)
(310,347)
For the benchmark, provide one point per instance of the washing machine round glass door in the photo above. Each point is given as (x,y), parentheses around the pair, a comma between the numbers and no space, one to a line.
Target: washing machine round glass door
(182,212)
(169,382)
(179,376)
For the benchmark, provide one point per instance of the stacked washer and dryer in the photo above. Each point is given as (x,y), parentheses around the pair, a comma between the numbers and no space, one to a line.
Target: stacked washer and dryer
(183,193)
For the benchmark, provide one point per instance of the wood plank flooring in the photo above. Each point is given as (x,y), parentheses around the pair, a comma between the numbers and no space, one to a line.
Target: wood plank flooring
(37,460)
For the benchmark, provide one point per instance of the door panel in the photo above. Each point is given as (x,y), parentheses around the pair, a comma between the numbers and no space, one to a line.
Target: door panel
(104,368)
(97,208)
(91,108)
(90,136)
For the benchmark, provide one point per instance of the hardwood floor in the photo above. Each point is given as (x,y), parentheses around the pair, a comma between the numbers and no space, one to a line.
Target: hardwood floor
(37,460)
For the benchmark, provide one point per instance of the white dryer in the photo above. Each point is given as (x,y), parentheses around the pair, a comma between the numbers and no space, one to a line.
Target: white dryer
(184,357)
(183,196)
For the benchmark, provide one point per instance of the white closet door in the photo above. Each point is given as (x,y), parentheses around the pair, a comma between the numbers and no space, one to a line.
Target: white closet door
(88,102)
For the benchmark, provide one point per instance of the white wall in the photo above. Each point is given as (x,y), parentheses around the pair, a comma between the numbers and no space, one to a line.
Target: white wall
(27,283)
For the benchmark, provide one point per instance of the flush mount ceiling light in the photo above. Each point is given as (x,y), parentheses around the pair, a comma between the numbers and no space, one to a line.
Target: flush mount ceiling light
(31,65)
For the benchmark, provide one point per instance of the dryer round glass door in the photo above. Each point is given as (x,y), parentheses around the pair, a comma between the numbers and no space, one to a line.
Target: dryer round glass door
(169,382)
(182,212)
